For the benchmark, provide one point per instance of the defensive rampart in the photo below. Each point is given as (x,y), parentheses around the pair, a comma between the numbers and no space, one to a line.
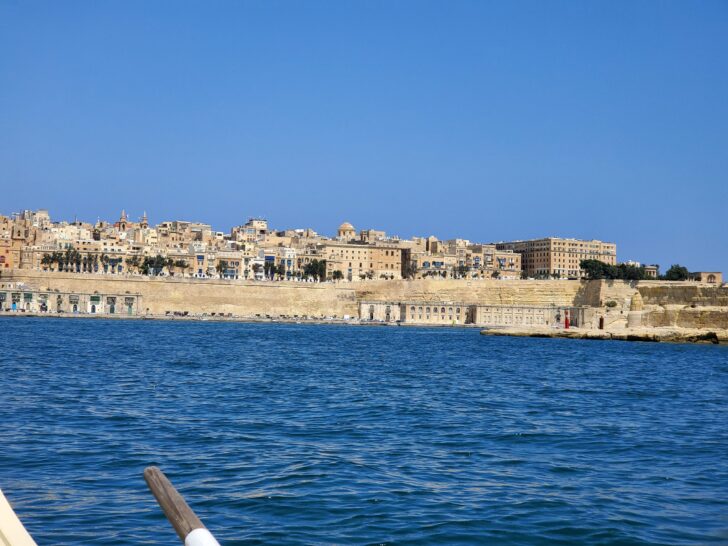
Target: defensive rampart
(688,305)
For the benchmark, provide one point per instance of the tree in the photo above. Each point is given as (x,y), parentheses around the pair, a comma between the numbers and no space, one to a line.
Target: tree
(315,269)
(596,269)
(496,274)
(270,269)
(153,265)
(222,266)
(631,272)
(132,262)
(462,270)
(57,258)
(182,264)
(337,275)
(677,272)
(410,270)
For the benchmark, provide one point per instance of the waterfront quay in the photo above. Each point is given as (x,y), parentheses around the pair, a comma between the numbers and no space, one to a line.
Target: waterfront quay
(603,309)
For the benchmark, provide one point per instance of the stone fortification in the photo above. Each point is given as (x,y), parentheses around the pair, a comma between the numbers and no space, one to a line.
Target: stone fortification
(160,295)
(683,305)
(246,298)
(483,291)
(682,293)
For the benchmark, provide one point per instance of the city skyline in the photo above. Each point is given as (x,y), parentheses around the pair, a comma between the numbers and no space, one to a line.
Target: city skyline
(243,218)
(479,120)
(329,232)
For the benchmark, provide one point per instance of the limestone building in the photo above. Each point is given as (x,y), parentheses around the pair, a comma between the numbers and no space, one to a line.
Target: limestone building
(358,261)
(709,277)
(557,257)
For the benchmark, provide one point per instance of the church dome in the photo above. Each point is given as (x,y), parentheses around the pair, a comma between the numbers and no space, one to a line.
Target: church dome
(346,226)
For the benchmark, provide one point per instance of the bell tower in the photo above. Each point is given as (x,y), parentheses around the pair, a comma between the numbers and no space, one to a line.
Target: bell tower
(123,222)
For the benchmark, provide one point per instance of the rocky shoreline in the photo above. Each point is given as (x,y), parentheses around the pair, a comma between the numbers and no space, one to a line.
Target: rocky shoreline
(645,334)
(654,335)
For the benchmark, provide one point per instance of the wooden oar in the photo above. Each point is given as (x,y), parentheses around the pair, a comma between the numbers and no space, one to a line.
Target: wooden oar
(188,526)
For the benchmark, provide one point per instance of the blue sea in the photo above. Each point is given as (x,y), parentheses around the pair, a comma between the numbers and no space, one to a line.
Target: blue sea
(308,434)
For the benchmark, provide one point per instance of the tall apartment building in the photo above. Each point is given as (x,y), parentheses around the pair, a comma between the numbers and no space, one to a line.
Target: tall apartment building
(554,256)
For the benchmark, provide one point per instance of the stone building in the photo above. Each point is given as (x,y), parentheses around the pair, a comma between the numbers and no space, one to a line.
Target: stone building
(454,313)
(14,298)
(346,232)
(709,277)
(358,261)
(557,257)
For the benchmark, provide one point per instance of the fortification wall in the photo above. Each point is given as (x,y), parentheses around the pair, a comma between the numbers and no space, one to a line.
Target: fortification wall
(248,298)
(475,291)
(197,296)
(665,303)
(683,293)
(699,317)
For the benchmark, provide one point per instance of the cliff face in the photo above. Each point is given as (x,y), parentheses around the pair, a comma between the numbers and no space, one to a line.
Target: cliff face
(687,305)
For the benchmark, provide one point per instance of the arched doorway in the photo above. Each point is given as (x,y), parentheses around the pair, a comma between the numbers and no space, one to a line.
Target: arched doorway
(371,312)
(93,308)
(711,279)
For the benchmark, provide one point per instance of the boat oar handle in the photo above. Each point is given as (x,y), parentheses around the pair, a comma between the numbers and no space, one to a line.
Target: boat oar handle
(187,525)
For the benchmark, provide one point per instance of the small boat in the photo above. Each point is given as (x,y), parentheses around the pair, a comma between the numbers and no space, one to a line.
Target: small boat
(12,532)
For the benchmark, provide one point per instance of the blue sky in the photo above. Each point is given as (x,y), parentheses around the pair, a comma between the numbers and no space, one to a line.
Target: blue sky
(483,120)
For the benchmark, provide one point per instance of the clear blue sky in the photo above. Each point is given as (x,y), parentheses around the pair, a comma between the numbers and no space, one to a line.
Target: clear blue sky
(481,120)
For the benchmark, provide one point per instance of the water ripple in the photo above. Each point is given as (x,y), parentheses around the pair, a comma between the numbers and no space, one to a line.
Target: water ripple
(294,434)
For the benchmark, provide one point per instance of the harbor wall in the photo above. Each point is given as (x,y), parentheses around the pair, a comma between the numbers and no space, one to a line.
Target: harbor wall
(249,298)
(687,304)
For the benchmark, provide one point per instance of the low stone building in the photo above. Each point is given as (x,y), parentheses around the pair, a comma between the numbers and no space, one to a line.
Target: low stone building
(709,277)
(23,299)
(435,312)
(516,315)
(380,312)
(454,313)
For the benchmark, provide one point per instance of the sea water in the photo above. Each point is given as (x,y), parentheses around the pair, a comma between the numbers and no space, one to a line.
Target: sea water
(305,434)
